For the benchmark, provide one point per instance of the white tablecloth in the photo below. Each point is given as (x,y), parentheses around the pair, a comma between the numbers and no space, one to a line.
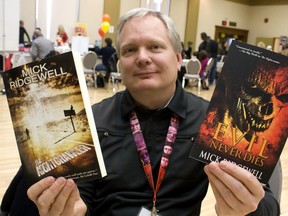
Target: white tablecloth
(20,59)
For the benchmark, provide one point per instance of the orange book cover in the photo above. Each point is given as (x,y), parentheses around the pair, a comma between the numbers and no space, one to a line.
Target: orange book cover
(53,120)
(247,118)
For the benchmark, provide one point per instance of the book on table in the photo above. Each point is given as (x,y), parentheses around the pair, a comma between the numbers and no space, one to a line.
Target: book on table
(53,120)
(247,118)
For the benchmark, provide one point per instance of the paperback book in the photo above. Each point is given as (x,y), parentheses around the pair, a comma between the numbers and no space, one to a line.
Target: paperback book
(247,118)
(53,120)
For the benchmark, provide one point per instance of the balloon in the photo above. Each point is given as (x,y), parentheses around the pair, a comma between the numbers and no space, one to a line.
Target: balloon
(106,18)
(100,32)
(105,26)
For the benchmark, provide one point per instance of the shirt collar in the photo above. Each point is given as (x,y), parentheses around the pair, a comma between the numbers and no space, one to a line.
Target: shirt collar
(176,105)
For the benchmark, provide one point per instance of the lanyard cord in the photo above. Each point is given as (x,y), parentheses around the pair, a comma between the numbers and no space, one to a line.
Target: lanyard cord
(143,152)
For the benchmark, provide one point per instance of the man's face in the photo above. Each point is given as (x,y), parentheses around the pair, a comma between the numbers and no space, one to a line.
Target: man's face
(147,59)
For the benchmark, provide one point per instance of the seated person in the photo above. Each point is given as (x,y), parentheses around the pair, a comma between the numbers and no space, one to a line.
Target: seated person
(106,52)
(41,46)
(188,51)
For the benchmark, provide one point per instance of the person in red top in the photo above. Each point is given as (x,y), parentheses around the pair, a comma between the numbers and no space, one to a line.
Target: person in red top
(62,36)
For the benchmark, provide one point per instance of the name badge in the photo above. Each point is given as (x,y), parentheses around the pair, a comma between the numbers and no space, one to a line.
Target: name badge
(145,212)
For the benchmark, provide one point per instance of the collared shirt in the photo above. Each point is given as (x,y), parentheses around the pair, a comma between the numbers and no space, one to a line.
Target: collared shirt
(125,189)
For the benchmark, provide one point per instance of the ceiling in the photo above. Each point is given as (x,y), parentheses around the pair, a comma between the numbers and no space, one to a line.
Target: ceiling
(260,2)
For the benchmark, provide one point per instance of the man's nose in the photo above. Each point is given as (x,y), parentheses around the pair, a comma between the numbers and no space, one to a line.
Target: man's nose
(143,56)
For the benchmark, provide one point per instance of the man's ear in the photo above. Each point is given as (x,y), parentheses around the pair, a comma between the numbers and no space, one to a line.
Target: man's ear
(179,61)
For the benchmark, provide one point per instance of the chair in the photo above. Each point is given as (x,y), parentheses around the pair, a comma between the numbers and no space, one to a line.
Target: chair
(193,68)
(116,77)
(89,64)
(275,181)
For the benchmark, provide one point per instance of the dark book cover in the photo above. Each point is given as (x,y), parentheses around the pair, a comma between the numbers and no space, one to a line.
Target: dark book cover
(53,120)
(247,118)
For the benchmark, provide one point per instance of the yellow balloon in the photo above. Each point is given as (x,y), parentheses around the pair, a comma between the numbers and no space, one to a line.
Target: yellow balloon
(105,26)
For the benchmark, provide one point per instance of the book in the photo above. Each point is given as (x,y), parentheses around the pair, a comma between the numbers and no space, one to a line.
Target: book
(52,119)
(247,118)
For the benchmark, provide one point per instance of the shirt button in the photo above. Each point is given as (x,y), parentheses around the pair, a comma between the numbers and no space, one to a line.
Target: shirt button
(106,134)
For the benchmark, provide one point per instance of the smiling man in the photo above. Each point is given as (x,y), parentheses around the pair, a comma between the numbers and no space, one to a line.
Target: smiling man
(149,51)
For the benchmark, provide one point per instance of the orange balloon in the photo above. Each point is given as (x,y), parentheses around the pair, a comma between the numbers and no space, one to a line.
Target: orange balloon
(105,26)
(106,18)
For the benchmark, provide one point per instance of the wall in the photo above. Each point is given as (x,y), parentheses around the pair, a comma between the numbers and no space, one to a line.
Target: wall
(212,12)
(276,26)
(28,15)
(91,12)
(178,13)
(9,25)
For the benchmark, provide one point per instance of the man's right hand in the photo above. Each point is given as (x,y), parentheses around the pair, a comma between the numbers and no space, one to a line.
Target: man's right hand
(57,197)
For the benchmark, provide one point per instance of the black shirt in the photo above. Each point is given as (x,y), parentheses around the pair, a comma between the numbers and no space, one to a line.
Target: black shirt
(125,189)
(106,52)
(22,33)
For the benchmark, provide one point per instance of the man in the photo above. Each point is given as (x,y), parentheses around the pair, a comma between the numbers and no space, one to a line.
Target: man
(41,46)
(22,33)
(211,47)
(149,52)
(106,52)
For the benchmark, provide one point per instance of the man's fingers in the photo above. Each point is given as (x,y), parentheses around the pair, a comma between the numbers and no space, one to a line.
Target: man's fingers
(237,186)
(222,193)
(39,188)
(59,206)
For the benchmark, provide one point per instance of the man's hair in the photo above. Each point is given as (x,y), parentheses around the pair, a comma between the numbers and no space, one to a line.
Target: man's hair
(108,41)
(37,33)
(204,35)
(142,12)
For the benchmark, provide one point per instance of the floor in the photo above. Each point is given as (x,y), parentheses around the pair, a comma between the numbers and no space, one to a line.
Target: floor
(9,162)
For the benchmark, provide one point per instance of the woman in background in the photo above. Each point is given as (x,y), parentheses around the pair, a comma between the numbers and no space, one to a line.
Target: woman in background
(62,36)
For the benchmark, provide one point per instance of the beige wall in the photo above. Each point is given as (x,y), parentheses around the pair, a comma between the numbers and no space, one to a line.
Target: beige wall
(91,12)
(178,12)
(251,18)
(211,13)
(276,26)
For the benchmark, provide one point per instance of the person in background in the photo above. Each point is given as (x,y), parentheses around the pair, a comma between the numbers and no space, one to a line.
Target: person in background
(106,52)
(22,33)
(149,51)
(211,47)
(183,52)
(33,36)
(41,46)
(203,58)
(188,51)
(285,50)
(62,36)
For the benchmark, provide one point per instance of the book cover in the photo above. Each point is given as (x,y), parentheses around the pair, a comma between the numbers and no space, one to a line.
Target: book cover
(53,120)
(247,118)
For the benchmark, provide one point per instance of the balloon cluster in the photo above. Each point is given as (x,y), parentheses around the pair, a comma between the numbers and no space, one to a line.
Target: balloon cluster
(104,26)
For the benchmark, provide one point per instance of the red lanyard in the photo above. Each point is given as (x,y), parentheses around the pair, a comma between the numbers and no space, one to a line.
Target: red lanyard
(144,156)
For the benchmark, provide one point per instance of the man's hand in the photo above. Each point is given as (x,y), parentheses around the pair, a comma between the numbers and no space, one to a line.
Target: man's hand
(57,197)
(236,190)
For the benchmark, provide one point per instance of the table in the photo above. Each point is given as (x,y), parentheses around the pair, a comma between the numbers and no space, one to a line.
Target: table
(20,59)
